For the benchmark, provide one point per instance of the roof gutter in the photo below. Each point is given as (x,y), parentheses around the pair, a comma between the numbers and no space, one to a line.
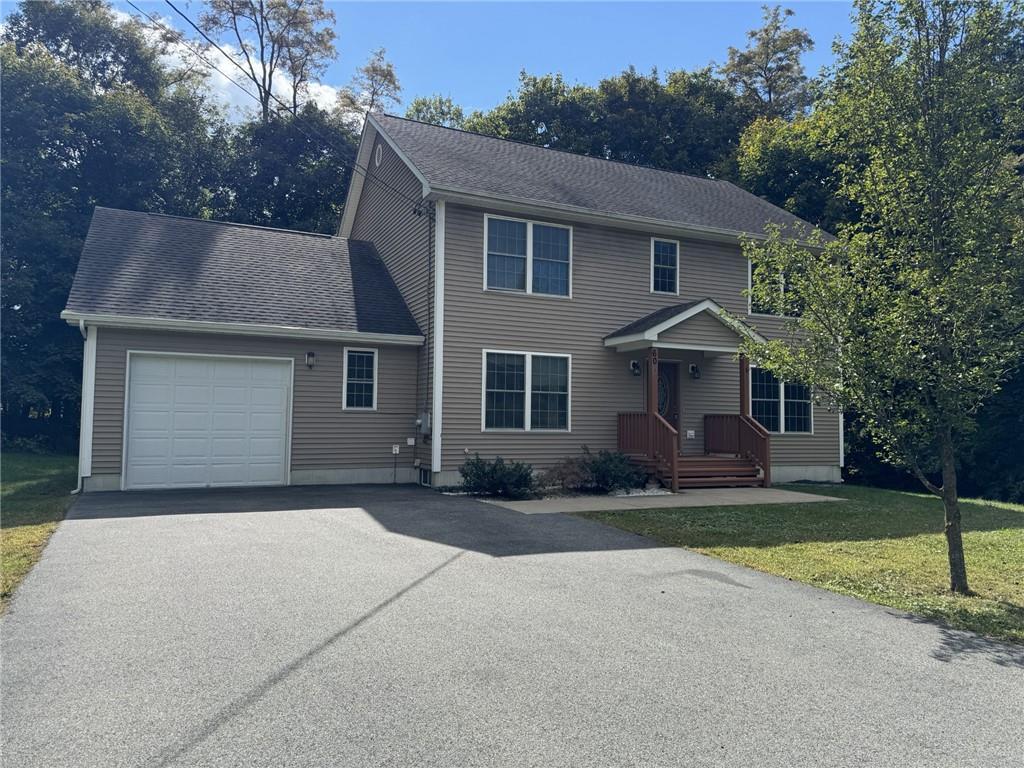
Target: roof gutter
(242,329)
(578,213)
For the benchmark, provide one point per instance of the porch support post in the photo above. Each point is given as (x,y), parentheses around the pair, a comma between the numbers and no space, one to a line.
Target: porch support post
(652,398)
(744,386)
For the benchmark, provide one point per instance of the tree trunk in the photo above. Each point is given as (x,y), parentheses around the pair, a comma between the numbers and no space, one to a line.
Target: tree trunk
(954,539)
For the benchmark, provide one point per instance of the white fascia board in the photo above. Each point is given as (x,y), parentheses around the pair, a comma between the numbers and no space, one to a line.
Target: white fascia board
(371,120)
(241,329)
(355,183)
(657,227)
(650,336)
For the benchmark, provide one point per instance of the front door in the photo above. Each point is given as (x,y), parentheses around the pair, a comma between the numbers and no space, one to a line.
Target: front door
(668,392)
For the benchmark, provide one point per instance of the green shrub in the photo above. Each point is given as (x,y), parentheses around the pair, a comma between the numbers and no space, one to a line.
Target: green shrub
(512,480)
(612,471)
(601,472)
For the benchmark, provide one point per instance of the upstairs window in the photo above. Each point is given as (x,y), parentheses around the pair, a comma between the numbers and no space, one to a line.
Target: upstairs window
(360,376)
(781,407)
(664,266)
(528,257)
(785,287)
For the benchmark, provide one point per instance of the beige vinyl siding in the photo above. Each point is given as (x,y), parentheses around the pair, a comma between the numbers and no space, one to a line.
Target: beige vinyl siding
(323,435)
(405,244)
(701,330)
(611,287)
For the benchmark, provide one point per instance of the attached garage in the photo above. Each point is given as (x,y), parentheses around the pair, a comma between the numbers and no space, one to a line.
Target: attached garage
(195,421)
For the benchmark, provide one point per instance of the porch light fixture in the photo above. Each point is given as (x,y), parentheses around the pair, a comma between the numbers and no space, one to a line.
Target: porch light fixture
(310,360)
(634,367)
(694,371)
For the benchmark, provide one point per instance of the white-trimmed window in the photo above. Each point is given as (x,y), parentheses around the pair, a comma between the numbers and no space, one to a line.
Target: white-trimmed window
(664,266)
(527,256)
(360,375)
(780,406)
(525,391)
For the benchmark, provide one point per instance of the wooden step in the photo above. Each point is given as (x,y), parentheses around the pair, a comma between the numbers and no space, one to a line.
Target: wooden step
(747,471)
(715,482)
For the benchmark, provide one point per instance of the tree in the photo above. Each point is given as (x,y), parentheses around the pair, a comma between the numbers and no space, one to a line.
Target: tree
(293,38)
(87,121)
(291,172)
(914,316)
(768,73)
(689,122)
(374,88)
(795,165)
(436,109)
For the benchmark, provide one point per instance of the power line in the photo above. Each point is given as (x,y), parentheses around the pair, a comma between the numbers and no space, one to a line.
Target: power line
(418,205)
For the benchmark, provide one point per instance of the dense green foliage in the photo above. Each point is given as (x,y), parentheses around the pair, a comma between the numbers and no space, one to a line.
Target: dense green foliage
(601,472)
(914,316)
(497,477)
(93,116)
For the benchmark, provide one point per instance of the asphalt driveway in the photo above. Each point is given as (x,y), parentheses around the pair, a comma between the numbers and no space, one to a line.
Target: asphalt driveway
(392,626)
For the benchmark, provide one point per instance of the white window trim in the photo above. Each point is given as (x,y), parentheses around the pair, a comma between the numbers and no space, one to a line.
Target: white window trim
(529,257)
(782,407)
(344,379)
(679,250)
(528,386)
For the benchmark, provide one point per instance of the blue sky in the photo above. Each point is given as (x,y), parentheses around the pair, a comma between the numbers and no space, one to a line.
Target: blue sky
(474,51)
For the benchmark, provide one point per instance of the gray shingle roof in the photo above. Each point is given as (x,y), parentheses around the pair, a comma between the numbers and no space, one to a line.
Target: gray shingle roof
(155,266)
(649,321)
(470,162)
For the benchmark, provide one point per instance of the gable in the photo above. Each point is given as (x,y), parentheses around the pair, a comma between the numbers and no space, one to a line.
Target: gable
(701,330)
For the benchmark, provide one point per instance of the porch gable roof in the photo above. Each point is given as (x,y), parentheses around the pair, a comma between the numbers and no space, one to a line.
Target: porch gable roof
(648,330)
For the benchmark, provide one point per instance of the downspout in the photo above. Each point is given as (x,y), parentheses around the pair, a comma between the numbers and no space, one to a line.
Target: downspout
(87,403)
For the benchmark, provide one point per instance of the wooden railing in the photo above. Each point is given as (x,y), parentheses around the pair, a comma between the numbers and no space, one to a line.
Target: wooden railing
(666,448)
(633,433)
(741,436)
(660,446)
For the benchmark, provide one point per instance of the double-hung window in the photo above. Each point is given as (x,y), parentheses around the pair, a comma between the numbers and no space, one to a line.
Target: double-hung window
(360,375)
(664,266)
(528,257)
(779,406)
(525,391)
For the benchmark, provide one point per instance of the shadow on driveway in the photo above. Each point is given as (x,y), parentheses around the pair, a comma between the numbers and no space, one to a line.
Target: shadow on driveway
(407,510)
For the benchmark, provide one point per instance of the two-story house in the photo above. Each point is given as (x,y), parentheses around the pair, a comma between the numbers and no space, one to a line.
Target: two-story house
(482,296)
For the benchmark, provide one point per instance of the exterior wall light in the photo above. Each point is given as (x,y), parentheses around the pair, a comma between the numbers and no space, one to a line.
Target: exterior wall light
(310,360)
(694,371)
(634,367)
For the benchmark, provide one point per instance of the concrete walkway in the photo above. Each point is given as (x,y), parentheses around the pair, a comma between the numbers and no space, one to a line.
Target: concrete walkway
(695,497)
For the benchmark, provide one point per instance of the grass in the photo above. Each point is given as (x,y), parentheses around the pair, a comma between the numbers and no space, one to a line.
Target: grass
(34,495)
(886,547)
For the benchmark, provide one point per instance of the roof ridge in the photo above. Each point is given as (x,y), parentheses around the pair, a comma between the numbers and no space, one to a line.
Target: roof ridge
(644,166)
(222,223)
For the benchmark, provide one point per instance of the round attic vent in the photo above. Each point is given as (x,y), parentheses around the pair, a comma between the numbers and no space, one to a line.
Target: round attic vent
(378,155)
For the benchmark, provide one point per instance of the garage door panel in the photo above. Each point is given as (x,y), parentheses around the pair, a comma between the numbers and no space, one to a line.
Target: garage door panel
(204,421)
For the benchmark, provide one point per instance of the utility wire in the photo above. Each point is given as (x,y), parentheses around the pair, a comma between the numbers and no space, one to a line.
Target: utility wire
(418,207)
(365,172)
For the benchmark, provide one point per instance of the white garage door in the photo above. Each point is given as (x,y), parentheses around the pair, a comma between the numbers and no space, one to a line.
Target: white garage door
(199,421)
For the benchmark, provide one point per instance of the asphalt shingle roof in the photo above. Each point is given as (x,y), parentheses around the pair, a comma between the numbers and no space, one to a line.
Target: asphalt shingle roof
(470,162)
(649,321)
(155,266)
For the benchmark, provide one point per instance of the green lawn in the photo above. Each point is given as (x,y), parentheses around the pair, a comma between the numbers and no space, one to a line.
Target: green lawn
(34,495)
(883,546)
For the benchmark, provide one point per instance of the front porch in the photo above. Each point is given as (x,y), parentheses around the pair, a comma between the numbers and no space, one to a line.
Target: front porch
(720,448)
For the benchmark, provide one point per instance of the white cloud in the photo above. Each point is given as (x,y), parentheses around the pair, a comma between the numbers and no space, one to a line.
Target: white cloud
(226,82)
